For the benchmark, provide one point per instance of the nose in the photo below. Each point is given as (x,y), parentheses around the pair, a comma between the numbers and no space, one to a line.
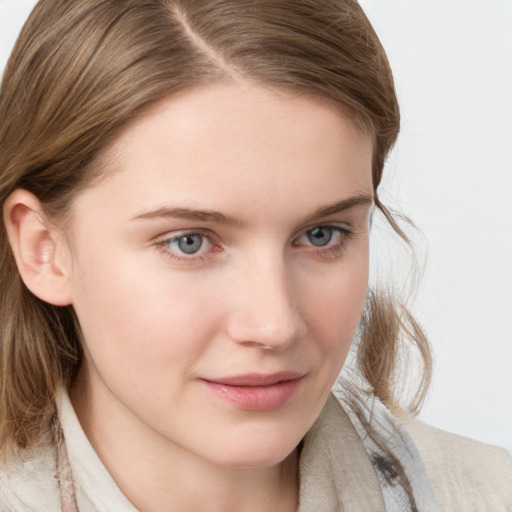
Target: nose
(265,311)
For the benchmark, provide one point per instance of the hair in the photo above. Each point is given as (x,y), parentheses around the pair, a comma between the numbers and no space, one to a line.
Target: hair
(80,71)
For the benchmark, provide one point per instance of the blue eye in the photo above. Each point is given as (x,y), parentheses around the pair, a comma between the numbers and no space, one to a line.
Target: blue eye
(189,244)
(326,242)
(320,236)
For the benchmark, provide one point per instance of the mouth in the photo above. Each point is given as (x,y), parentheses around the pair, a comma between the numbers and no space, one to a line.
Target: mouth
(256,392)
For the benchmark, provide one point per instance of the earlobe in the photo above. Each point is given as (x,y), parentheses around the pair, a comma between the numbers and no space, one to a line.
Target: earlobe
(38,248)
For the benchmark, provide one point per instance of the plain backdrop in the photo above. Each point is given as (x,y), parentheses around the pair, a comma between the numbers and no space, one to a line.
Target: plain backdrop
(451,172)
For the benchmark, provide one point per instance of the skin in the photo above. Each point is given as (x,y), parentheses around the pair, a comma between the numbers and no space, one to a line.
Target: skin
(258,297)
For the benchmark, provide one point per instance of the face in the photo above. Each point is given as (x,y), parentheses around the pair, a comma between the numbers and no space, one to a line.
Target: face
(219,271)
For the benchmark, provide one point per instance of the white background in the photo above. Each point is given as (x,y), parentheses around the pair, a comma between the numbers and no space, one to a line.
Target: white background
(452,173)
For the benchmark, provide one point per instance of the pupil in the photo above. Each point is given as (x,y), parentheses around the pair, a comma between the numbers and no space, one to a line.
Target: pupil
(190,244)
(320,236)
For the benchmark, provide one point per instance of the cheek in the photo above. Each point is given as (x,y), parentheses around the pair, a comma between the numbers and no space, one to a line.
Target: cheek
(334,306)
(135,322)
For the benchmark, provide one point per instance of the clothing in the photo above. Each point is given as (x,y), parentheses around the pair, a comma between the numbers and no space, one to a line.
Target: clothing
(337,469)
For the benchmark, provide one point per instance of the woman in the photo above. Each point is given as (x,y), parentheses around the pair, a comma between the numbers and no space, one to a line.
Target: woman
(187,190)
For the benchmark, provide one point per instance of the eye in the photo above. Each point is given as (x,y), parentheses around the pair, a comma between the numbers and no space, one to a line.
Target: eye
(325,242)
(322,236)
(186,244)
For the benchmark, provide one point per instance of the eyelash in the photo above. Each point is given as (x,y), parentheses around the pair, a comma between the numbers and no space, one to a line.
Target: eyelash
(335,249)
(163,245)
(330,252)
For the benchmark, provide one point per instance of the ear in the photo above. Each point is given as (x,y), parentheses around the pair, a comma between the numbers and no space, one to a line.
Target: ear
(39,247)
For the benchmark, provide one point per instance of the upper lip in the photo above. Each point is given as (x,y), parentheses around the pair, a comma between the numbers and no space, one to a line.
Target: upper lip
(257,379)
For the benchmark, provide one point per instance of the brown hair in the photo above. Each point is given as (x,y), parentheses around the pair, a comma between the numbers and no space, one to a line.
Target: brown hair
(81,70)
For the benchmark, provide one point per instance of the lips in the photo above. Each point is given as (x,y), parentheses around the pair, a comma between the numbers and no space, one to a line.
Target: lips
(256,392)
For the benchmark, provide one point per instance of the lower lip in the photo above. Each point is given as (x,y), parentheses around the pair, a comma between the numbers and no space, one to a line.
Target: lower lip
(255,398)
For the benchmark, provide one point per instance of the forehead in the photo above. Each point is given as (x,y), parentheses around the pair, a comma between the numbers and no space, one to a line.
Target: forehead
(221,142)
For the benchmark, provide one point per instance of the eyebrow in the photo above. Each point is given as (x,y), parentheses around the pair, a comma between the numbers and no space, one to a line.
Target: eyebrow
(221,218)
(340,206)
(190,214)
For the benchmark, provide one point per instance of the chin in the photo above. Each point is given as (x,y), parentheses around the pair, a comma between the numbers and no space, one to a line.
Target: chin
(252,454)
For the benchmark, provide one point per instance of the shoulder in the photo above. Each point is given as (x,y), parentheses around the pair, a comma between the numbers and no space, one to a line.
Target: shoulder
(28,483)
(465,474)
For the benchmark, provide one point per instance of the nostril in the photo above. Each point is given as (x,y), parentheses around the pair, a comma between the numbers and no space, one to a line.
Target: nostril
(276,334)
(258,344)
